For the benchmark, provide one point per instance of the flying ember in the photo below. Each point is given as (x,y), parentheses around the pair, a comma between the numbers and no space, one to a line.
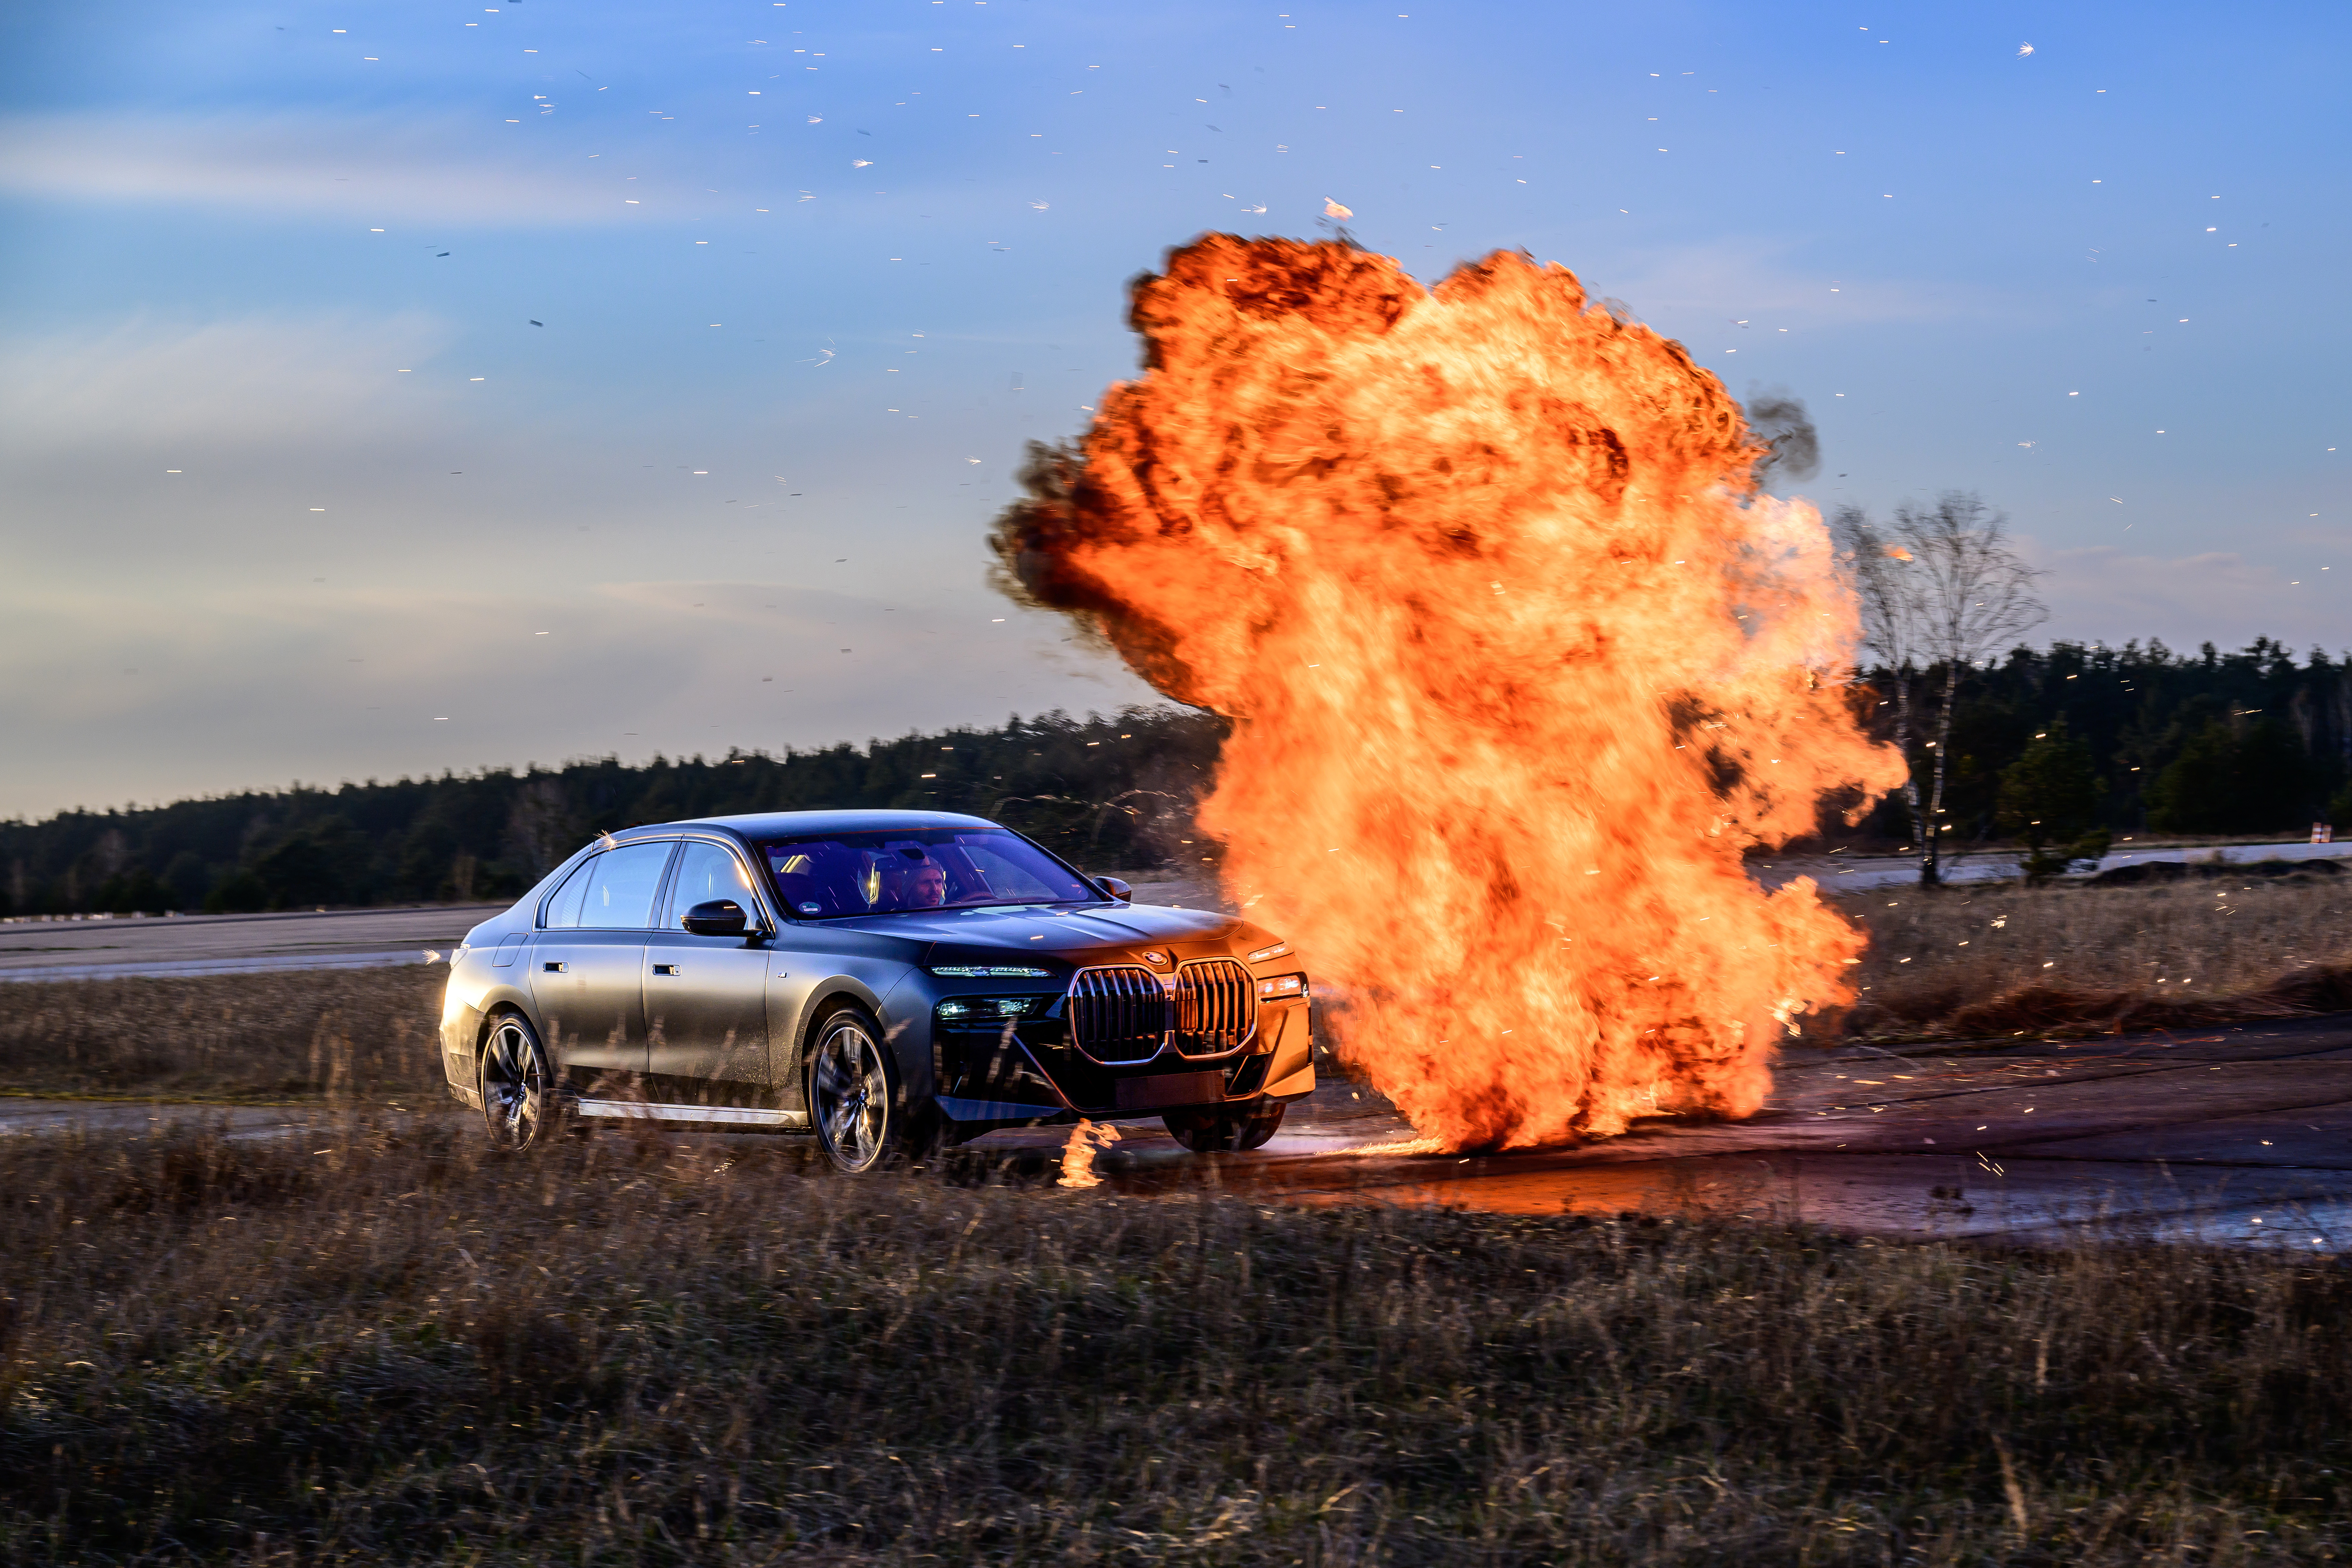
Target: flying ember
(1518,661)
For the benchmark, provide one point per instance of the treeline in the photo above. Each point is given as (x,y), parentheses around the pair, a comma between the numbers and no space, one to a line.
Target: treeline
(2046,744)
(2137,738)
(1106,792)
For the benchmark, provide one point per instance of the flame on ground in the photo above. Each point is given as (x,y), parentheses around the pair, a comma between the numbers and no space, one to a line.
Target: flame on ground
(1078,1154)
(1518,661)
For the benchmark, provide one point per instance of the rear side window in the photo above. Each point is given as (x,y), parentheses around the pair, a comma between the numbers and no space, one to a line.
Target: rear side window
(619,895)
(563,908)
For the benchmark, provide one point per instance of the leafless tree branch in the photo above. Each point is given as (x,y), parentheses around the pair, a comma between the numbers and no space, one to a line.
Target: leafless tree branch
(1940,588)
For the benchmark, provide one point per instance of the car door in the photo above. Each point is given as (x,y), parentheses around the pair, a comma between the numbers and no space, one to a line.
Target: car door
(587,967)
(706,996)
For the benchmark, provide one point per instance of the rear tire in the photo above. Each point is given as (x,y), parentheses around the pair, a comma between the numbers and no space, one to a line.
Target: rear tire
(856,1101)
(1219,1133)
(520,1108)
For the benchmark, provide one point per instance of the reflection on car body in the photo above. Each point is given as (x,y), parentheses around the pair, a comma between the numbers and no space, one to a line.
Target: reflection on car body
(887,980)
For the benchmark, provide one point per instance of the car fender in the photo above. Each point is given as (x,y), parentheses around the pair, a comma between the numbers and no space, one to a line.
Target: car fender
(463,1006)
(866,990)
(485,976)
(465,1012)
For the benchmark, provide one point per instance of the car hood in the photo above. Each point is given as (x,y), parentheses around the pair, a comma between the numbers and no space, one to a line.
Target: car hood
(1060,929)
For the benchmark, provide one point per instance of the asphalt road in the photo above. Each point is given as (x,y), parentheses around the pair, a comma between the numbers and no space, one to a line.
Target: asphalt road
(2240,1136)
(1837,873)
(233,944)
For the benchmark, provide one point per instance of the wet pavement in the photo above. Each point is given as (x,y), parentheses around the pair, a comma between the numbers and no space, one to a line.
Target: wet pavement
(2240,1135)
(1852,873)
(233,944)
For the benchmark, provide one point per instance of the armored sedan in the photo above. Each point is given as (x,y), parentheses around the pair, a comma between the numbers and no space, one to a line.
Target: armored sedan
(887,980)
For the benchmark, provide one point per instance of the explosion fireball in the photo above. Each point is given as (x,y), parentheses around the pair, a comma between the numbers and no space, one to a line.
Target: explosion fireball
(1518,663)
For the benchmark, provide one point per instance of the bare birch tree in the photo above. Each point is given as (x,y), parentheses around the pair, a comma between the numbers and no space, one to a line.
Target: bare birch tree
(1941,590)
(1974,597)
(1890,620)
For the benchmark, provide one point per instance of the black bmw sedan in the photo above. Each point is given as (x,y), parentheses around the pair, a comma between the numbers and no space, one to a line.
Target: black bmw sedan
(889,981)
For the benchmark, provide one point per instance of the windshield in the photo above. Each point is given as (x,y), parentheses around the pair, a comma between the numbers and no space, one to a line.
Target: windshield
(836,873)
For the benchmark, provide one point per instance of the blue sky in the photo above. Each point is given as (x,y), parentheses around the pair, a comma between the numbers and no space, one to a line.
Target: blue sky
(559,379)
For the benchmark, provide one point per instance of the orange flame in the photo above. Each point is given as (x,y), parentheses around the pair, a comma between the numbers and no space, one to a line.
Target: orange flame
(1078,1154)
(1518,661)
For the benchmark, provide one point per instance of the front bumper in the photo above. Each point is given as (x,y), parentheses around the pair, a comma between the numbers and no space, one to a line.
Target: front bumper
(1028,1071)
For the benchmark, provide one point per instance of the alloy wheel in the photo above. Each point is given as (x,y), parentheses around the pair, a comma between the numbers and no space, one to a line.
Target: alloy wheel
(850,1094)
(514,1085)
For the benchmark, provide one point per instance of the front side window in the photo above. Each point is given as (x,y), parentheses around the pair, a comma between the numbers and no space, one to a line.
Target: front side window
(822,878)
(706,871)
(621,887)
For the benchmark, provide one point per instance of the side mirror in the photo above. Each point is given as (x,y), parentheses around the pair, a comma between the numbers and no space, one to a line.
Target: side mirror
(1116,888)
(719,917)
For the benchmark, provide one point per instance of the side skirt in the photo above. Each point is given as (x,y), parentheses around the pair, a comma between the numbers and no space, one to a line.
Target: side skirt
(707,1115)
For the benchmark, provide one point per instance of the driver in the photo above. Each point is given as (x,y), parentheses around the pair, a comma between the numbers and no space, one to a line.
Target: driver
(927,886)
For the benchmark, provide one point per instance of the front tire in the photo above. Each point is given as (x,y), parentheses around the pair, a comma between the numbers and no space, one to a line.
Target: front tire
(1257,1129)
(520,1108)
(856,1101)
(1219,1132)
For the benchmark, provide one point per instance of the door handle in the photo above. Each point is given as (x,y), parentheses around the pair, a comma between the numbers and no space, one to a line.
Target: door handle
(552,967)
(668,969)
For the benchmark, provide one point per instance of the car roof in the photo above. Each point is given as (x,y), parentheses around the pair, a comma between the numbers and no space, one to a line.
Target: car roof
(797,824)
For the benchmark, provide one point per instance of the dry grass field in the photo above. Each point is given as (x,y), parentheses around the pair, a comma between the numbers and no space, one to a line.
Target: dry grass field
(381,1343)
(380,1346)
(361,1035)
(1965,962)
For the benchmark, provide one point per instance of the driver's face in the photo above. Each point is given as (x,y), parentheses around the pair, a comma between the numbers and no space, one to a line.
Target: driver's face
(930,889)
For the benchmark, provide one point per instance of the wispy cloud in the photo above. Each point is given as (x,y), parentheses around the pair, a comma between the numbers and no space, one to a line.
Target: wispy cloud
(378,169)
(1764,281)
(769,606)
(225,685)
(260,377)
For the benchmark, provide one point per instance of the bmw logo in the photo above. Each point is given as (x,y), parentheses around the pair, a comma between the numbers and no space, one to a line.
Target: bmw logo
(1156,957)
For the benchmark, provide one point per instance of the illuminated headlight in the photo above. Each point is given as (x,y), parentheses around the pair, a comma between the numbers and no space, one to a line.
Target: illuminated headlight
(985,1009)
(989,971)
(1279,950)
(1282,985)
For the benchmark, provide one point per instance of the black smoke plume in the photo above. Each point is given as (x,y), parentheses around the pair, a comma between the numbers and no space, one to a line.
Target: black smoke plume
(1778,417)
